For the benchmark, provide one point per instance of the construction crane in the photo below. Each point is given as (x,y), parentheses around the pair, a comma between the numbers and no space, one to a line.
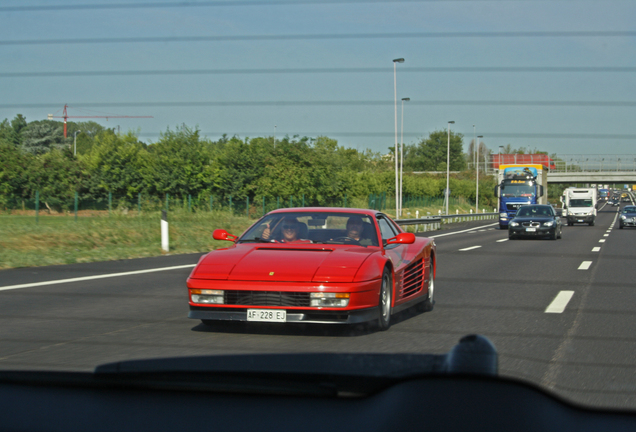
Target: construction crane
(66,116)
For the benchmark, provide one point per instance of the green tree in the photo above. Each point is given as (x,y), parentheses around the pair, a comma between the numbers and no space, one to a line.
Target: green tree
(179,163)
(42,136)
(430,154)
(115,164)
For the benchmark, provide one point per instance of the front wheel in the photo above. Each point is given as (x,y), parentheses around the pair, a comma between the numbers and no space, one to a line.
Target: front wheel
(428,304)
(386,294)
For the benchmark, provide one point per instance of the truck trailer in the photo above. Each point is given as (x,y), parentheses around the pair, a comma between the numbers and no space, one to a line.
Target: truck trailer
(579,205)
(519,185)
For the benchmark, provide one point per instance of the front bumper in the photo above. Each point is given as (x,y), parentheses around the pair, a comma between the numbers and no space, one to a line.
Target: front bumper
(293,297)
(580,218)
(307,316)
(628,224)
(540,231)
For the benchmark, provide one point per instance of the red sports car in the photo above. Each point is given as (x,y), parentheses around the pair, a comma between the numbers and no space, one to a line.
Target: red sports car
(315,265)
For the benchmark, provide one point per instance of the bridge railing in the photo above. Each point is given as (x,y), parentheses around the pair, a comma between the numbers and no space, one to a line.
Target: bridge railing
(576,163)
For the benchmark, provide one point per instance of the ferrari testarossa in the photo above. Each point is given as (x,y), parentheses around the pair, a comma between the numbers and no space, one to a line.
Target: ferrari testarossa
(315,265)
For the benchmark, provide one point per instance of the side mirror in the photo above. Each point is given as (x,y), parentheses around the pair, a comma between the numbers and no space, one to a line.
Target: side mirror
(540,190)
(497,191)
(221,234)
(404,238)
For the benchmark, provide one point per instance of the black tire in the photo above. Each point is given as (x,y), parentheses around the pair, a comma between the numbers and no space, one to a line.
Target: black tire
(429,303)
(553,236)
(208,323)
(620,226)
(592,223)
(384,304)
(560,233)
(570,223)
(511,237)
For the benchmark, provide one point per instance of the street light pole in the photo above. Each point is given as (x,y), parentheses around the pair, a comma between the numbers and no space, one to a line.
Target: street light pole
(447,192)
(397,202)
(477,176)
(75,142)
(402,153)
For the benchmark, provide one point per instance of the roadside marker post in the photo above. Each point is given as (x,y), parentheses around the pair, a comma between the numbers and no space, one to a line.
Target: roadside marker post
(164,231)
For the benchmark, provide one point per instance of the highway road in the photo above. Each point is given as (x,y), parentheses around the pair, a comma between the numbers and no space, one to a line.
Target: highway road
(562,313)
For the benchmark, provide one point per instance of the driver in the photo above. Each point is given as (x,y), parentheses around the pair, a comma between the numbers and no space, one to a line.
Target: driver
(355,228)
(289,230)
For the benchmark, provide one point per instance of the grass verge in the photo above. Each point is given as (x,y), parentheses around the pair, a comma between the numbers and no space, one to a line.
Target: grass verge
(62,240)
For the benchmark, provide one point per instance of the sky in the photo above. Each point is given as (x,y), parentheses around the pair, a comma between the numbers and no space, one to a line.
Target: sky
(555,76)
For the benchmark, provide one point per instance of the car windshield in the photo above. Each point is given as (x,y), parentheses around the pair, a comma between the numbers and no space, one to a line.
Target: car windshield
(517,190)
(314,227)
(534,211)
(581,203)
(138,139)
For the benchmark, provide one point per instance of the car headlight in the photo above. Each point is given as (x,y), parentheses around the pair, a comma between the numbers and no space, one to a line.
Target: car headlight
(623,217)
(514,224)
(322,299)
(205,296)
(548,223)
(503,215)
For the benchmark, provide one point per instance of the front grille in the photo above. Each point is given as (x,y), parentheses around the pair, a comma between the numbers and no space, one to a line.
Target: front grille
(266,298)
(413,278)
(531,224)
(514,207)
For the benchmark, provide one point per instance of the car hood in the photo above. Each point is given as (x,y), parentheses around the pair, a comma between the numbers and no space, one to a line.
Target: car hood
(247,262)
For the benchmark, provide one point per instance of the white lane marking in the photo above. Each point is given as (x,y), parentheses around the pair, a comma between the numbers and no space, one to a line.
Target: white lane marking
(470,248)
(86,278)
(596,249)
(466,230)
(560,302)
(601,241)
(605,235)
(502,240)
(585,265)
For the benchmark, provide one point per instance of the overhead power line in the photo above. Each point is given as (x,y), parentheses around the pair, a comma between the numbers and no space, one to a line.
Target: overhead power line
(323,36)
(357,70)
(332,103)
(233,3)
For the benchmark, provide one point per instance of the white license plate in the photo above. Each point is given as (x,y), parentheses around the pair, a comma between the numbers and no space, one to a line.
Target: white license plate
(266,315)
(531,229)
(580,220)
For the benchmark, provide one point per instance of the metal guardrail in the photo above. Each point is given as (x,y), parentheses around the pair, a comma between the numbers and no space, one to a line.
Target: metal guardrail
(434,223)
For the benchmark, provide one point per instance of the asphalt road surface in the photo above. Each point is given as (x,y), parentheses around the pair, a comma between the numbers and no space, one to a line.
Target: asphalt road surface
(561,313)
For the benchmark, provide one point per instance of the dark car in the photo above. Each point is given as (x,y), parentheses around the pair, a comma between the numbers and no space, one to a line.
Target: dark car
(535,221)
(628,217)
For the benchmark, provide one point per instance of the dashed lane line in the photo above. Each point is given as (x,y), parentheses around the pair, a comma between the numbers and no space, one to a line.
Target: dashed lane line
(596,249)
(502,240)
(560,302)
(601,241)
(470,248)
(585,265)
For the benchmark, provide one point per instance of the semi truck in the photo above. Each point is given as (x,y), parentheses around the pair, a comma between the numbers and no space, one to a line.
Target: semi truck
(579,205)
(519,185)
